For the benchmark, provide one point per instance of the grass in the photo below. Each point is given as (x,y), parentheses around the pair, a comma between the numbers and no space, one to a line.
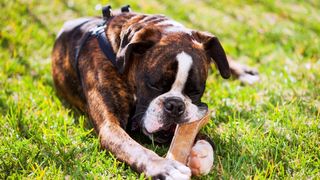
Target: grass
(268,130)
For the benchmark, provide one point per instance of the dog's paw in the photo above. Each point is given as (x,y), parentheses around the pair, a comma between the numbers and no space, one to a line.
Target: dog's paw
(168,169)
(248,75)
(200,160)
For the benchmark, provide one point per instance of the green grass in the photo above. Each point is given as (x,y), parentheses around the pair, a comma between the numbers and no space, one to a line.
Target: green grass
(268,130)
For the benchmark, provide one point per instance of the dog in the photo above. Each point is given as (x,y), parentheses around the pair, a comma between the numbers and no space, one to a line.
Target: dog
(152,78)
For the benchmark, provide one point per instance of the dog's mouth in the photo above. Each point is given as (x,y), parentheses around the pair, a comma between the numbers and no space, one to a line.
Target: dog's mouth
(163,135)
(165,131)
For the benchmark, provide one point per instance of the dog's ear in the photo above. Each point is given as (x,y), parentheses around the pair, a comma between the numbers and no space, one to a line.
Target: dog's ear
(135,48)
(215,51)
(134,43)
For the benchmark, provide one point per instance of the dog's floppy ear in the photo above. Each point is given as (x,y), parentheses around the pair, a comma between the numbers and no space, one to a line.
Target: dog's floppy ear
(214,49)
(134,43)
(138,48)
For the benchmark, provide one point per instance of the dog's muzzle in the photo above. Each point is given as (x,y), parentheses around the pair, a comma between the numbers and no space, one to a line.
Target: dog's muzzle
(169,109)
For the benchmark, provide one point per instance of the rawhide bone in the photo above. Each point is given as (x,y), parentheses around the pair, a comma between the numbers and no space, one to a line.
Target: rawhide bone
(184,137)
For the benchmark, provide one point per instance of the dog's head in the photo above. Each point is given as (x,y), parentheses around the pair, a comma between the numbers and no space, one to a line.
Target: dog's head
(169,65)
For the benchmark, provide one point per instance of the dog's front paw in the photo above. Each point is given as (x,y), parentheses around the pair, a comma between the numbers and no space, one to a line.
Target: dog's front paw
(201,158)
(167,169)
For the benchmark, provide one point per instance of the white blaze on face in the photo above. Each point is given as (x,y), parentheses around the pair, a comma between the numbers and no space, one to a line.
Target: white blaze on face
(184,65)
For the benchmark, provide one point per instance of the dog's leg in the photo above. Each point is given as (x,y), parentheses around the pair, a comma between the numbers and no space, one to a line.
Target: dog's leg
(244,73)
(116,140)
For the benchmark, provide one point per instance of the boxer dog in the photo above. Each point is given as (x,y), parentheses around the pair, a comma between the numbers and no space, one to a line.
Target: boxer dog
(156,80)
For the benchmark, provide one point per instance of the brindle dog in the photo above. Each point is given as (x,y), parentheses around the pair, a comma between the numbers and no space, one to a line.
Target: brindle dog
(160,78)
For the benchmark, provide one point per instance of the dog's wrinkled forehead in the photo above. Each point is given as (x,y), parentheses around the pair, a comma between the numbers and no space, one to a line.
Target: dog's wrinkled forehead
(155,35)
(157,29)
(174,52)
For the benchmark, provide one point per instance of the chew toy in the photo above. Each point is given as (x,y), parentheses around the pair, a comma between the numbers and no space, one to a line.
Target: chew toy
(184,137)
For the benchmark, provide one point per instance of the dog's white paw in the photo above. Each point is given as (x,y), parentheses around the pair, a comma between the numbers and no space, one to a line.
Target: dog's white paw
(201,158)
(168,169)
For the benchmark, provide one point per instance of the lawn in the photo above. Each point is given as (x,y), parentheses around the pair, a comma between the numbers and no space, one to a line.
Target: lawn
(267,130)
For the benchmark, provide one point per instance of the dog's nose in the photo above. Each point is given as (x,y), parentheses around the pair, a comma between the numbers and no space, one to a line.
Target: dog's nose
(174,107)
